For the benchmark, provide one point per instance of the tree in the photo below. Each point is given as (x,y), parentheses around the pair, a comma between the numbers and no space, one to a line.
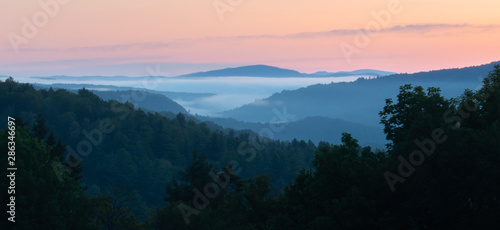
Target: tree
(144,150)
(40,129)
(114,211)
(452,185)
(42,200)
(181,119)
(415,114)
(196,176)
(340,193)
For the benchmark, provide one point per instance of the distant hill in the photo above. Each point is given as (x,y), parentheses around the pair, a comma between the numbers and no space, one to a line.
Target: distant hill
(172,95)
(155,100)
(271,71)
(90,78)
(243,71)
(141,152)
(368,72)
(151,101)
(140,98)
(249,71)
(358,101)
(315,129)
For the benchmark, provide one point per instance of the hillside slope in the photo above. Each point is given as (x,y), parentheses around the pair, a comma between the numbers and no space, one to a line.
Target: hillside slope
(119,145)
(358,101)
(249,71)
(316,129)
(143,99)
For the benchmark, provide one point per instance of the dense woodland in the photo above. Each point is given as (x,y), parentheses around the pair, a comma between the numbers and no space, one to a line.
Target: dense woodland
(441,169)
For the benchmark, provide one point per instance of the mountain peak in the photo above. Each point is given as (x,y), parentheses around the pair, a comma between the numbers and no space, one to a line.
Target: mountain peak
(261,70)
(248,71)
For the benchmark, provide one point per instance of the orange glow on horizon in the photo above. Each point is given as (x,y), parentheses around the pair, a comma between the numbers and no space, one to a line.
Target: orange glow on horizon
(301,35)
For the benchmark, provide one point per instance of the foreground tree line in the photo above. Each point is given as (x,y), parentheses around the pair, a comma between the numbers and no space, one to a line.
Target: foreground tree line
(441,170)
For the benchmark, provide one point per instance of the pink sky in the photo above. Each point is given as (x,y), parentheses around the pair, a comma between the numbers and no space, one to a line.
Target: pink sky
(107,35)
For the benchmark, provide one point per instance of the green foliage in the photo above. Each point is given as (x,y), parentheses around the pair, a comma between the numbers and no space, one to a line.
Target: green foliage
(44,200)
(454,183)
(415,114)
(143,151)
(338,194)
(457,186)
(445,153)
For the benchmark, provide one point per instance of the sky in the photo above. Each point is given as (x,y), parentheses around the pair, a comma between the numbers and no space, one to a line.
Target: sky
(129,37)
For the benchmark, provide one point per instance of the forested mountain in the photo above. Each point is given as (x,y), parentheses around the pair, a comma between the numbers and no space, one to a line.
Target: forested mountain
(440,170)
(366,72)
(271,71)
(143,99)
(89,78)
(358,101)
(248,71)
(316,129)
(134,95)
(140,151)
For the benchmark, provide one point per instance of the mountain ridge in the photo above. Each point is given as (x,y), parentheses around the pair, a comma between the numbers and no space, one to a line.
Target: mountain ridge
(248,71)
(259,70)
(272,71)
(344,100)
(313,128)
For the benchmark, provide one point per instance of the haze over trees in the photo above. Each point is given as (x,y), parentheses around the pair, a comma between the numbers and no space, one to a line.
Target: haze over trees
(359,101)
(141,151)
(440,169)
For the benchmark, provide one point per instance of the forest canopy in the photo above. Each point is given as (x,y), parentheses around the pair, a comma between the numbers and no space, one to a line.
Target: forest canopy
(146,171)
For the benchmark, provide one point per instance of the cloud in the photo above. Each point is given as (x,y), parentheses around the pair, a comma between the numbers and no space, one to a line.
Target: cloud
(73,63)
(411,28)
(121,47)
(211,105)
(260,102)
(345,32)
(399,28)
(105,48)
